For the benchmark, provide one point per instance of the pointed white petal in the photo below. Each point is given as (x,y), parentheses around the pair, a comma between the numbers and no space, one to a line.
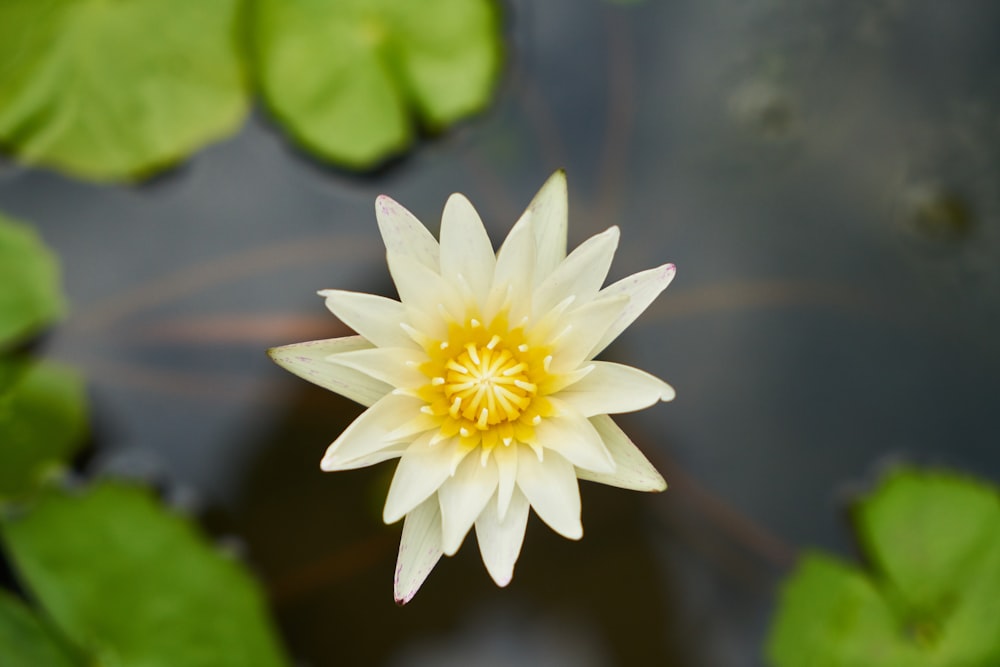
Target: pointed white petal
(308,361)
(424,293)
(506,458)
(375,317)
(641,288)
(614,388)
(466,252)
(421,470)
(548,213)
(551,488)
(396,366)
(632,469)
(462,498)
(403,233)
(369,433)
(581,274)
(587,325)
(500,539)
(512,276)
(419,549)
(572,436)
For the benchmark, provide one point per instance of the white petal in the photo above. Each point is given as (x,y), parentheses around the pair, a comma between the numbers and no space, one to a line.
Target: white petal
(581,274)
(641,288)
(308,361)
(506,458)
(551,488)
(500,538)
(462,498)
(632,469)
(572,436)
(369,433)
(586,325)
(375,317)
(403,233)
(396,366)
(512,276)
(614,388)
(548,214)
(466,251)
(419,549)
(425,293)
(421,470)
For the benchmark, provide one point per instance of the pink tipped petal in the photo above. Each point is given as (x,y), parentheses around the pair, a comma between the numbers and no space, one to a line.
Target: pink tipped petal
(421,470)
(376,318)
(548,213)
(581,274)
(396,366)
(632,469)
(640,288)
(419,550)
(551,488)
(614,388)
(308,361)
(404,234)
(466,252)
(571,435)
(500,538)
(369,433)
(462,498)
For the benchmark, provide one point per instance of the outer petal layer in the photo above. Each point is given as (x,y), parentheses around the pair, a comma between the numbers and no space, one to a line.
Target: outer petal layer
(632,469)
(308,361)
(419,549)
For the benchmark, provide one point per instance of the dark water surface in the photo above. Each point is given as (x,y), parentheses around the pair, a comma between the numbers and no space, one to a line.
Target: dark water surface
(826,176)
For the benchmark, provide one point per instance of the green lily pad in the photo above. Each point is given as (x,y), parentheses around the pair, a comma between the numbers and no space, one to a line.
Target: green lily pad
(116,89)
(30,295)
(350,79)
(42,423)
(27,641)
(932,598)
(131,583)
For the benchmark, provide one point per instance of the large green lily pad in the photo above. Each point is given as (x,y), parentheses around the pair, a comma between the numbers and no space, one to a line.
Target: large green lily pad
(30,295)
(27,641)
(352,79)
(115,89)
(932,597)
(130,583)
(42,423)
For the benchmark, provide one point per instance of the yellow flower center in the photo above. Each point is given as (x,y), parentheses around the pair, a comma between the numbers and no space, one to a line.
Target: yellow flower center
(487,384)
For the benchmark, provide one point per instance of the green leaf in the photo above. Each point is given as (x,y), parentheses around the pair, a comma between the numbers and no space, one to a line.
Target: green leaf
(26,641)
(350,78)
(133,584)
(42,423)
(30,295)
(116,89)
(933,598)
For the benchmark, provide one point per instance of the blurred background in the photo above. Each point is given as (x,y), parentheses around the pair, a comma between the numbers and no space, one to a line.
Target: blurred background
(824,174)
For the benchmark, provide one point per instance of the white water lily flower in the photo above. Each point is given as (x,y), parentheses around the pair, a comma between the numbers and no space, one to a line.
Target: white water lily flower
(482,381)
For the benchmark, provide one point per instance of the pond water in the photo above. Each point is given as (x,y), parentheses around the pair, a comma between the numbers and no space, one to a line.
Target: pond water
(825,175)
